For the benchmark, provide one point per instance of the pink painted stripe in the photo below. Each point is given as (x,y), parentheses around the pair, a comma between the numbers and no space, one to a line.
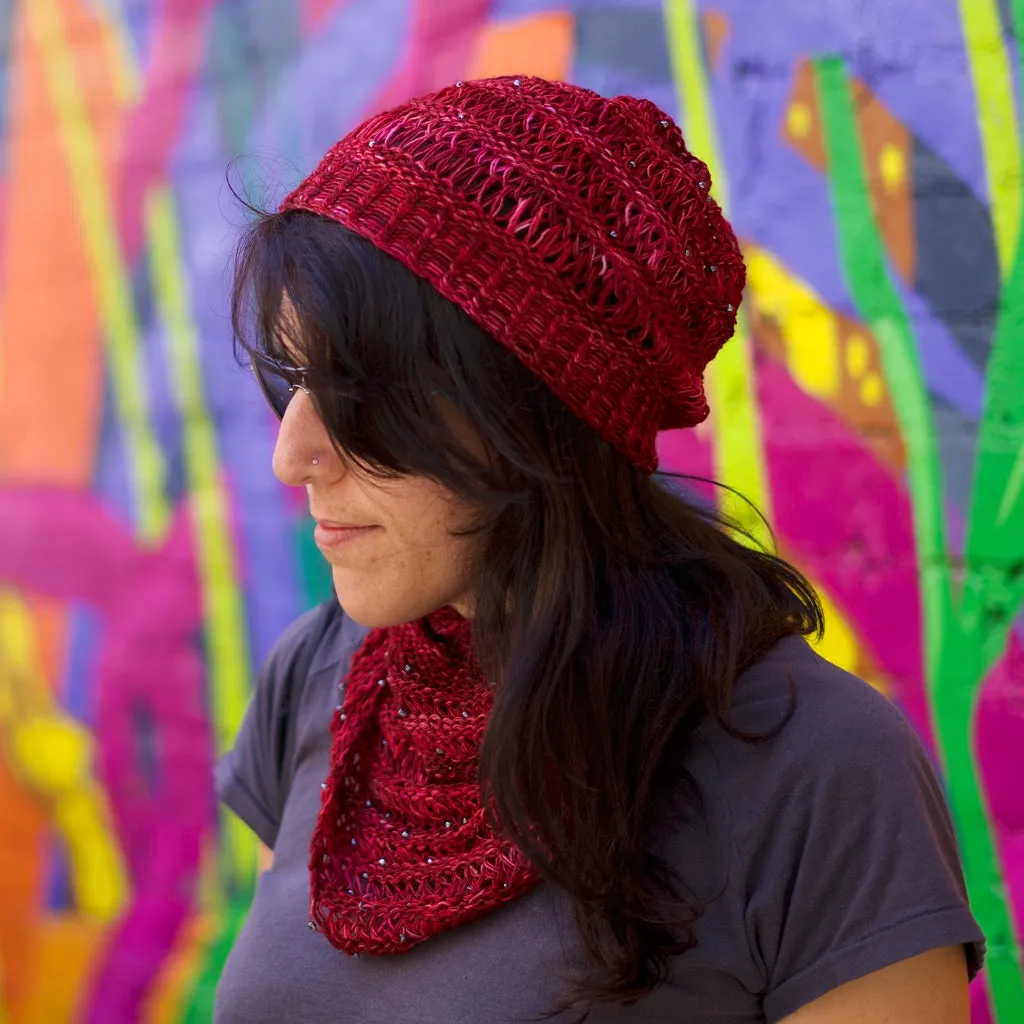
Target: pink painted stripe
(440,47)
(998,741)
(848,523)
(315,12)
(149,665)
(64,544)
(684,451)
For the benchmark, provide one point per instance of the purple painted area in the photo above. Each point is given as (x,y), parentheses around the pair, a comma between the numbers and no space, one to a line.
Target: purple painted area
(778,201)
(848,523)
(137,18)
(333,82)
(781,204)
(610,82)
(84,634)
(511,10)
(110,471)
(58,879)
(65,546)
(947,372)
(907,53)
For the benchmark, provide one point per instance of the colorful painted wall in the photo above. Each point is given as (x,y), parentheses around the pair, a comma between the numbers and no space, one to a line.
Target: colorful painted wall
(872,403)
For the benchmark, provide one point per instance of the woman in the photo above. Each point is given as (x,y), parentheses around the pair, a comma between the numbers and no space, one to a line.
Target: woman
(560,747)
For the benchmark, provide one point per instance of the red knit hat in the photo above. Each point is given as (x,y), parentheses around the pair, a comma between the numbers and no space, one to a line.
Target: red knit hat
(578,231)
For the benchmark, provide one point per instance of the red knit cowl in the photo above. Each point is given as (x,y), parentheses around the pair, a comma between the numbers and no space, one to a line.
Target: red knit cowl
(402,849)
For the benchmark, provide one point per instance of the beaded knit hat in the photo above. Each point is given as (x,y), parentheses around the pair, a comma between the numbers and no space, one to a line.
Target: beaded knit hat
(578,231)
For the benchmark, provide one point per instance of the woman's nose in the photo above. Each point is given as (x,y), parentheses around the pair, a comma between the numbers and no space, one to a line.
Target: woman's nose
(301,439)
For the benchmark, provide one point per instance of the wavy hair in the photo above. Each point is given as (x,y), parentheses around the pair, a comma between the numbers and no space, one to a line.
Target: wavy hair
(613,613)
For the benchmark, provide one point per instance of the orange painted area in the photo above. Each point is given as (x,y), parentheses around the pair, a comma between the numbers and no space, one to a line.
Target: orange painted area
(20,879)
(541,45)
(716,28)
(51,628)
(60,962)
(51,362)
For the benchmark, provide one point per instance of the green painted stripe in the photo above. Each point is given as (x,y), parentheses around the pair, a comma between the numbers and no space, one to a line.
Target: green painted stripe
(729,379)
(863,259)
(954,655)
(199,1009)
(314,569)
(994,545)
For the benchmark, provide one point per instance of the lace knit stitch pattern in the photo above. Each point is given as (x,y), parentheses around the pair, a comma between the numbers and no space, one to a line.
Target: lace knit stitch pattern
(402,849)
(578,231)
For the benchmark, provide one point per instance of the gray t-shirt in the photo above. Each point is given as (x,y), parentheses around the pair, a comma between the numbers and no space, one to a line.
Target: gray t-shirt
(827,852)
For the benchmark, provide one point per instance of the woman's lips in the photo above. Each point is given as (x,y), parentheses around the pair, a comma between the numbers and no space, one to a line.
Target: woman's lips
(331,535)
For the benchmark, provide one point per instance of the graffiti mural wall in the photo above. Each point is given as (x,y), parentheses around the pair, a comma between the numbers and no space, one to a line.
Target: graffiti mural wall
(871,404)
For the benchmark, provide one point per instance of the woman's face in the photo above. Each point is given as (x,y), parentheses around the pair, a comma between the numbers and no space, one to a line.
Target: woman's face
(389,543)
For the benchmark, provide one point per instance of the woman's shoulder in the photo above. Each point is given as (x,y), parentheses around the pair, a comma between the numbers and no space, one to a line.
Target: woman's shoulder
(823,754)
(835,826)
(809,712)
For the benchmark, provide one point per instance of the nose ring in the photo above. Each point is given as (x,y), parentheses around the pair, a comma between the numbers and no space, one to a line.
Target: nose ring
(316,462)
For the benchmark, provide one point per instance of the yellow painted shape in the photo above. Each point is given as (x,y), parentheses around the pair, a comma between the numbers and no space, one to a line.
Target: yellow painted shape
(839,644)
(23,689)
(729,379)
(223,616)
(857,355)
(799,119)
(872,389)
(892,166)
(51,754)
(808,327)
(997,120)
(99,875)
(98,225)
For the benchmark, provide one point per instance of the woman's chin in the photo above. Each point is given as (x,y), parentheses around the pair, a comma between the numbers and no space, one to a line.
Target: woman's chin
(370,609)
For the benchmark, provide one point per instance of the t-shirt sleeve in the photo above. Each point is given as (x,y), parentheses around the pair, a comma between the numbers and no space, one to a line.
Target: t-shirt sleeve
(248,778)
(854,863)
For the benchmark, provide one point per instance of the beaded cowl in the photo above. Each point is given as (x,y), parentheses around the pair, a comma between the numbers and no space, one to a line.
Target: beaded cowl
(403,848)
(578,231)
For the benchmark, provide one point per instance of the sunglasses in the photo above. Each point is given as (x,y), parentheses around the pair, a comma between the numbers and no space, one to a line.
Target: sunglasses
(279,381)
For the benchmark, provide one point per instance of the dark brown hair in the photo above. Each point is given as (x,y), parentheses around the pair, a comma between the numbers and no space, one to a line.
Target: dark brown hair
(613,612)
